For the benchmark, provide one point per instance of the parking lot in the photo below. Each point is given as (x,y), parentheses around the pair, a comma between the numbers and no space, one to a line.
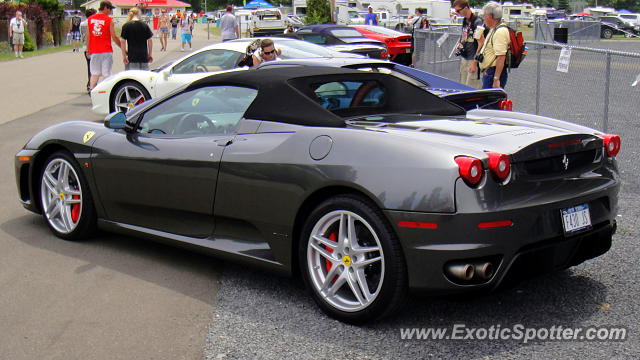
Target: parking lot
(119,298)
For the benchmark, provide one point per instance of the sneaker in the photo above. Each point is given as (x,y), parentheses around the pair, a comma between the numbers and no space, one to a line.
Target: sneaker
(21,57)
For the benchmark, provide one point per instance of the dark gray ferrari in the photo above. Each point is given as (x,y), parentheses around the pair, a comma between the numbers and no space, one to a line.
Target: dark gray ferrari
(363,184)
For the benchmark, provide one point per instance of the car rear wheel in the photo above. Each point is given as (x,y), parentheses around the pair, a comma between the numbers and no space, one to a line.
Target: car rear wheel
(67,205)
(351,260)
(128,95)
(607,33)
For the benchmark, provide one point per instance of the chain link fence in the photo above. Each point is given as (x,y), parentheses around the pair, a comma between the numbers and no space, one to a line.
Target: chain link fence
(579,32)
(599,88)
(594,87)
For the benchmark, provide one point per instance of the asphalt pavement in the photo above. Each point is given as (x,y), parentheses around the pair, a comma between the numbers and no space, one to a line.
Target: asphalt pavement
(111,297)
(116,297)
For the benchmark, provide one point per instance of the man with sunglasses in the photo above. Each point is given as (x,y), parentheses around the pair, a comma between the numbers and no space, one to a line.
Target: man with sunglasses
(17,27)
(268,52)
(470,41)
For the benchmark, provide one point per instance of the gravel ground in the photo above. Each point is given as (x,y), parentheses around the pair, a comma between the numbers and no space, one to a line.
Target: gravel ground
(261,316)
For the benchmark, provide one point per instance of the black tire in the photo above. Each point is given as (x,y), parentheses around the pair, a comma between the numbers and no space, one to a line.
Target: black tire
(85,225)
(114,100)
(607,33)
(391,285)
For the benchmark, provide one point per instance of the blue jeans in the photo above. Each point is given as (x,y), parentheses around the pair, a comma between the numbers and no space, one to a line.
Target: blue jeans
(487,77)
(174,31)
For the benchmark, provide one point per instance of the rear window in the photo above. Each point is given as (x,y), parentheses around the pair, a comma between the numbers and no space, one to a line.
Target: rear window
(346,33)
(339,95)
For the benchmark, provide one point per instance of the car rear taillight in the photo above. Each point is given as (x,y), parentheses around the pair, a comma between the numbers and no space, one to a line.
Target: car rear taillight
(506,105)
(612,144)
(499,165)
(470,169)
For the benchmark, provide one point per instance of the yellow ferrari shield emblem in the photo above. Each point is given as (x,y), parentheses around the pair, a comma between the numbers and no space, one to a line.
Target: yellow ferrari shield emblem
(87,136)
(346,260)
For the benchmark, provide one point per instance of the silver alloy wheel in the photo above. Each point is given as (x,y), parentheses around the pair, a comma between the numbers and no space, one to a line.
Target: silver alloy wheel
(61,195)
(347,272)
(127,97)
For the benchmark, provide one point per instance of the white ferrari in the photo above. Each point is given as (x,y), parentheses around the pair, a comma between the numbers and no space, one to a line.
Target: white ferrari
(124,90)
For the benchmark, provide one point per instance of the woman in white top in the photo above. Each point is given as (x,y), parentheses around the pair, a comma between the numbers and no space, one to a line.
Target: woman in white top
(268,52)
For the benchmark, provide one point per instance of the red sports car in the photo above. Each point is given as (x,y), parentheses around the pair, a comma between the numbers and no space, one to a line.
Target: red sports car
(398,43)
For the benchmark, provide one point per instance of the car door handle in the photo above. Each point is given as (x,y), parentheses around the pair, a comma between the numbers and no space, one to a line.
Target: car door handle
(225,141)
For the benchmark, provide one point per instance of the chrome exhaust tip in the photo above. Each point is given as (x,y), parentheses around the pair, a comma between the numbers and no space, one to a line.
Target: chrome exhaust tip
(461,271)
(484,270)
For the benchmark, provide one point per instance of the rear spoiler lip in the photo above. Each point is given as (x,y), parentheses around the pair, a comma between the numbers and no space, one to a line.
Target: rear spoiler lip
(461,95)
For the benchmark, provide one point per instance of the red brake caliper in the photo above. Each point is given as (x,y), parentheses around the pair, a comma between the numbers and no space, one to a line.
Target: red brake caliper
(327,263)
(140,101)
(75,209)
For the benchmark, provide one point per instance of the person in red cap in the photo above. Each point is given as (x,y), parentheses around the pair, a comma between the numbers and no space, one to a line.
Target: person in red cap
(101,31)
(229,26)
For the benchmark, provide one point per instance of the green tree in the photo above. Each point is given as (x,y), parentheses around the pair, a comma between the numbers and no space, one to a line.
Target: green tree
(564,5)
(318,12)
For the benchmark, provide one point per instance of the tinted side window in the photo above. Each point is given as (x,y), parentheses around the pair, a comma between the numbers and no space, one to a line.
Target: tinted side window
(208,61)
(214,110)
(339,95)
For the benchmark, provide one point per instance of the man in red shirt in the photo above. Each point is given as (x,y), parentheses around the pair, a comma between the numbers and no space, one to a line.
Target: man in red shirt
(101,31)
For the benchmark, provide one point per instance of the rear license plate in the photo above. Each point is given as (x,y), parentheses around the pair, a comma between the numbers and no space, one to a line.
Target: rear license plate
(576,218)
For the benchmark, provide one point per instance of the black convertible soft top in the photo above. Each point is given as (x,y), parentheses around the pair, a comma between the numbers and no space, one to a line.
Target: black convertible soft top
(285,94)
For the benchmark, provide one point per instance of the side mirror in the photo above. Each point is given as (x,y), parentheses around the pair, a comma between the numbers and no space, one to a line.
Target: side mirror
(116,120)
(166,74)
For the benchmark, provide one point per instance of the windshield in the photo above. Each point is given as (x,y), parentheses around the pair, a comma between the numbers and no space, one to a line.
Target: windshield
(346,33)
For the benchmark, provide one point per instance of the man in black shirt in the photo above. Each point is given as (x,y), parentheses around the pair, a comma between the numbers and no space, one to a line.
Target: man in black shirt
(137,39)
(470,41)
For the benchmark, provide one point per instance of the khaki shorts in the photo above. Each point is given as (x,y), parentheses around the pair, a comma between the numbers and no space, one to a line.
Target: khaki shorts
(101,64)
(467,78)
(18,38)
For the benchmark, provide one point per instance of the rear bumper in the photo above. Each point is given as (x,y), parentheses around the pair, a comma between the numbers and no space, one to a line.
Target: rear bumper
(535,243)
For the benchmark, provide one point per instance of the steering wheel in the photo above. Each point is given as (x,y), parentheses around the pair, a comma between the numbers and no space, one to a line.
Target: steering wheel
(188,125)
(201,68)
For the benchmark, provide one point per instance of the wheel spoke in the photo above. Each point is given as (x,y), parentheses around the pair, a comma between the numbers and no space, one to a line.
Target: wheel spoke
(135,101)
(55,211)
(347,232)
(48,181)
(66,217)
(337,284)
(365,262)
(74,192)
(326,242)
(51,206)
(51,180)
(72,201)
(326,254)
(63,175)
(127,95)
(329,278)
(355,289)
(122,105)
(361,279)
(365,249)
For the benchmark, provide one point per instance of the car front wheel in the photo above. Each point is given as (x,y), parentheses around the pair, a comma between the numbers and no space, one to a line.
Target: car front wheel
(351,260)
(128,95)
(607,33)
(67,205)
